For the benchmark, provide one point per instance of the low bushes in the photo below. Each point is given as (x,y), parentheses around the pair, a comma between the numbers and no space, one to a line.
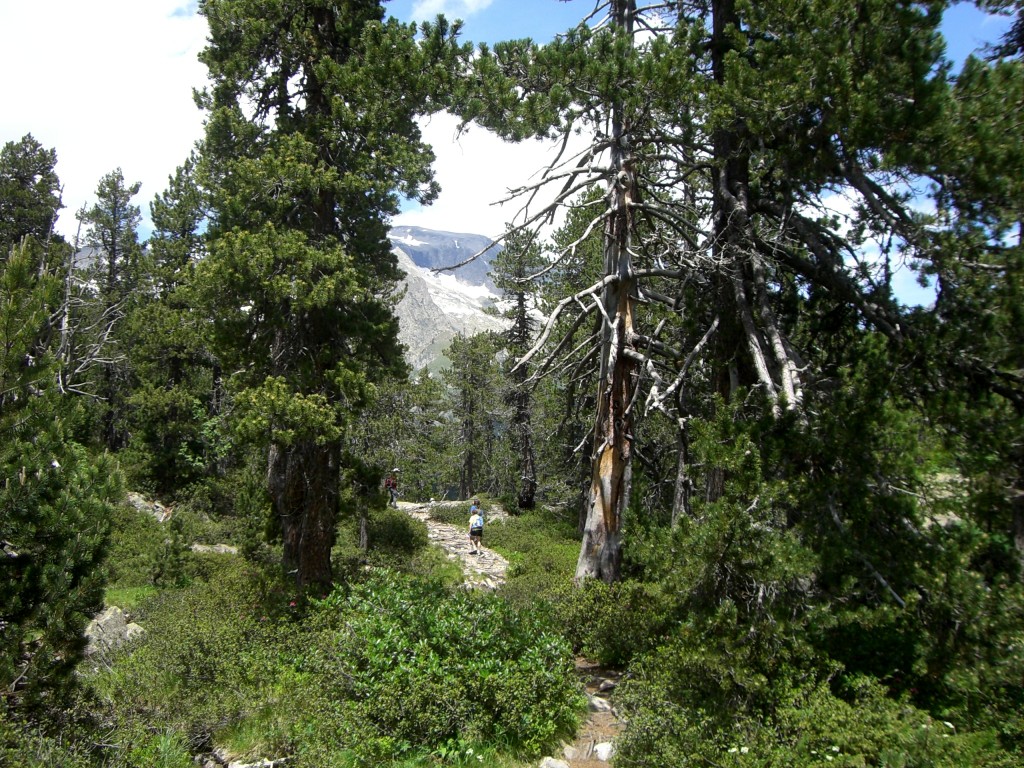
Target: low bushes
(387,669)
(792,717)
(541,549)
(411,666)
(208,656)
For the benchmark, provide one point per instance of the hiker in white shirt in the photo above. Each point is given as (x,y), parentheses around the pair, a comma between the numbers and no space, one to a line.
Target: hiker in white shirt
(476,527)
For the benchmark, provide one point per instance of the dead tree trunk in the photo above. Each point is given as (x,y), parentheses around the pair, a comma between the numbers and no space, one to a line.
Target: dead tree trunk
(611,472)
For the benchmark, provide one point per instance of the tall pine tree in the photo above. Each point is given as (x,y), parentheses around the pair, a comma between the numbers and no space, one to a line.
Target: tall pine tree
(311,141)
(118,273)
(54,502)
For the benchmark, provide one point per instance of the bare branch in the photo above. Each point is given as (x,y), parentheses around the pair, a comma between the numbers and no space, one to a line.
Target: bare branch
(556,313)
(862,557)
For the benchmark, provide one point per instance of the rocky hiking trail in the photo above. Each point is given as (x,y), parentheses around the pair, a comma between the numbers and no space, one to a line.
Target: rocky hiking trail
(485,570)
(593,746)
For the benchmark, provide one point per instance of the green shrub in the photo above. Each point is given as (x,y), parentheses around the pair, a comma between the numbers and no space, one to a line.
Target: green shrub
(453,512)
(153,747)
(542,550)
(26,744)
(129,598)
(403,666)
(389,669)
(719,704)
(394,537)
(135,540)
(610,623)
(54,530)
(433,563)
(208,653)
(145,552)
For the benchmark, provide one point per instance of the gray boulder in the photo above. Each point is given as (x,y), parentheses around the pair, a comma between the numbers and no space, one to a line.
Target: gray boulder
(109,631)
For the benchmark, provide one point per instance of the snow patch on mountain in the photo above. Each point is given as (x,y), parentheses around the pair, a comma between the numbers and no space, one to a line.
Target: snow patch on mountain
(456,297)
(406,239)
(438,305)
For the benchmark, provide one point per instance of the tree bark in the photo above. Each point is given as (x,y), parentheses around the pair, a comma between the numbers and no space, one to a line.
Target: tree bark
(681,499)
(303,480)
(611,468)
(1018,524)
(523,431)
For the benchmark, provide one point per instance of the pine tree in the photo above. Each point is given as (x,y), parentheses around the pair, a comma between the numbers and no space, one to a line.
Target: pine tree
(512,270)
(175,388)
(29,192)
(54,502)
(409,426)
(111,231)
(973,380)
(722,132)
(472,381)
(311,139)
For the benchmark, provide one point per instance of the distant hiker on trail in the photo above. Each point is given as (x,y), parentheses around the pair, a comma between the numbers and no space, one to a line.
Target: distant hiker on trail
(391,486)
(476,526)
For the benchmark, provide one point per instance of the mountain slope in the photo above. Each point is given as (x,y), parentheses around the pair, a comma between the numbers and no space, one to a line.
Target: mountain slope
(434,249)
(439,305)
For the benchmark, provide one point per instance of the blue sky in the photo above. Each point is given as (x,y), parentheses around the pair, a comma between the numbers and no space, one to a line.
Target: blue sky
(491,20)
(108,83)
(967,29)
(488,21)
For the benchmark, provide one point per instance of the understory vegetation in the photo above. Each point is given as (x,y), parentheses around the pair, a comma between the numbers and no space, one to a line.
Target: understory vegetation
(398,665)
(738,466)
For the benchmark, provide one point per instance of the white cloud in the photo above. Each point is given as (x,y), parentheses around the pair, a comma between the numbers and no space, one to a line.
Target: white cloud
(107,84)
(476,171)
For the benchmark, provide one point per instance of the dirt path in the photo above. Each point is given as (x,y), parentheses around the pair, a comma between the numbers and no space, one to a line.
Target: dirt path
(594,741)
(485,570)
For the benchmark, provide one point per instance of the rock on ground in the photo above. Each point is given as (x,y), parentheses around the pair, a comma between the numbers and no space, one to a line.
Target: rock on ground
(109,631)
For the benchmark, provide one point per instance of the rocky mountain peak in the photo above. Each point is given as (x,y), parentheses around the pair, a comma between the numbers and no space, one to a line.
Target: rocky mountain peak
(439,305)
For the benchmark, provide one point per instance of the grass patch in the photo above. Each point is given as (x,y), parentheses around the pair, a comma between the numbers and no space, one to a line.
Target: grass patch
(454,512)
(128,598)
(541,549)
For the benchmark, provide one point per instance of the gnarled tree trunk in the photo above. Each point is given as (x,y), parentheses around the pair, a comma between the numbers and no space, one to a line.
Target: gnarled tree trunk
(303,480)
(611,474)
